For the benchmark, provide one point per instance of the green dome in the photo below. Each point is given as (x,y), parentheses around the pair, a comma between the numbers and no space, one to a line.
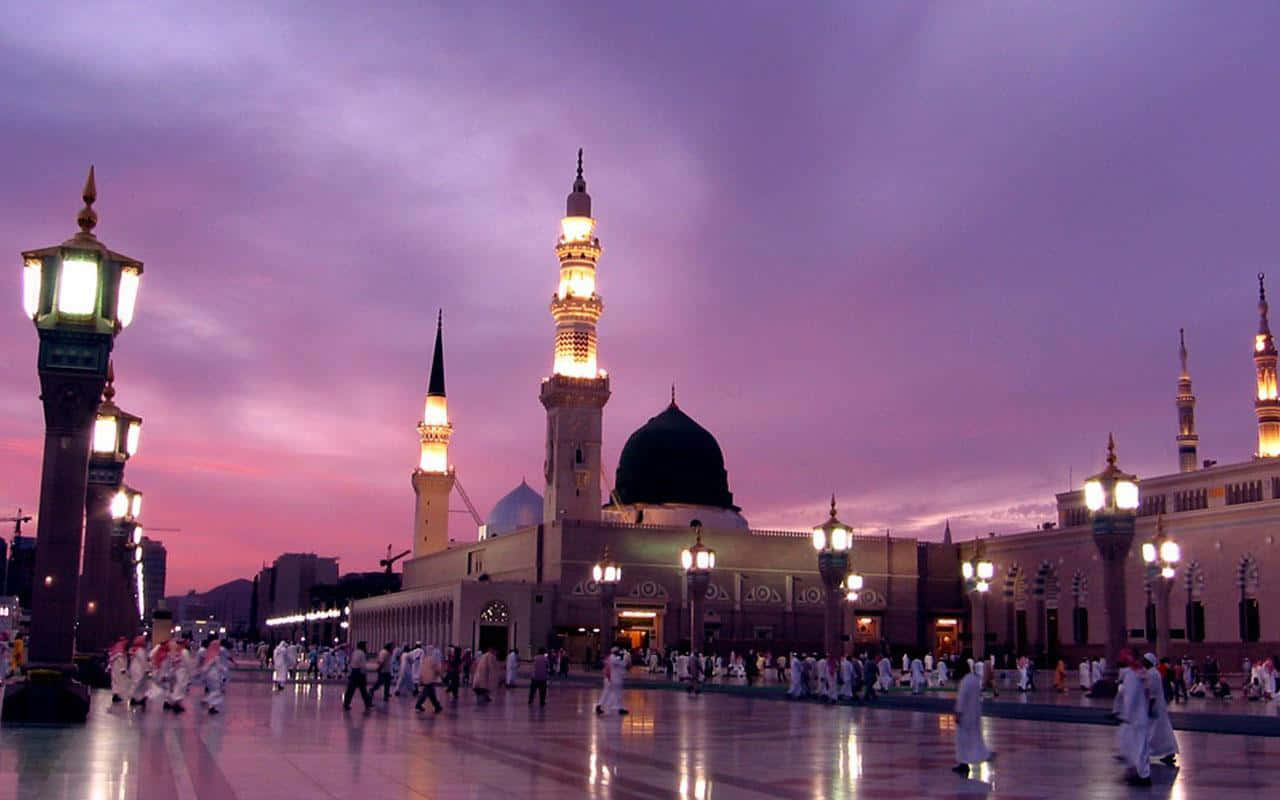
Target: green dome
(672,459)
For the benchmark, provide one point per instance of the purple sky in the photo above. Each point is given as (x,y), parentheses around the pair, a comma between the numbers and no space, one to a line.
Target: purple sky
(925,255)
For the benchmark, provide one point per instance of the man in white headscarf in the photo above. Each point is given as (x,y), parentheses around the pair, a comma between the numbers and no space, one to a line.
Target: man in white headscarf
(885,668)
(1085,673)
(1134,711)
(917,676)
(280,665)
(513,666)
(970,746)
(611,692)
(1162,744)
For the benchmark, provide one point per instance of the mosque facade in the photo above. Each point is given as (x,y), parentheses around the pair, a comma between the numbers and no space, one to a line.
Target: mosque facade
(526,582)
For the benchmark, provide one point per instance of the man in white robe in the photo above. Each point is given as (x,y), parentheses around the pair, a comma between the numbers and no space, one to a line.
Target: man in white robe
(139,673)
(404,675)
(885,668)
(970,746)
(1135,721)
(280,666)
(213,673)
(118,665)
(513,666)
(1161,743)
(917,676)
(942,672)
(846,678)
(797,679)
(611,692)
(1095,671)
(1085,675)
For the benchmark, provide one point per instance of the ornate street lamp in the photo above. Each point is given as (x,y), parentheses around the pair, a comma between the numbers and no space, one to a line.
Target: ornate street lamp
(1112,499)
(79,294)
(607,574)
(1161,555)
(697,562)
(105,591)
(977,573)
(832,539)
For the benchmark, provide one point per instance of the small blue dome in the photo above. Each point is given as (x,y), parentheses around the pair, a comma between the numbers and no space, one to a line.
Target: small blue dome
(520,507)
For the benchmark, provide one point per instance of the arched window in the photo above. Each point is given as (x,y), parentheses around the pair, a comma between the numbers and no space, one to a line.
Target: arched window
(1195,608)
(1079,611)
(495,612)
(1250,616)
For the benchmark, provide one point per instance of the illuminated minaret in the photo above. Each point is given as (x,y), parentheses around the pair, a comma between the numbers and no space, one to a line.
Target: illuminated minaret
(433,479)
(1188,440)
(576,392)
(1266,406)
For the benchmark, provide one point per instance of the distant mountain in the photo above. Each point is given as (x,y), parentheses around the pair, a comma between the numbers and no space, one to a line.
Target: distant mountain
(228,604)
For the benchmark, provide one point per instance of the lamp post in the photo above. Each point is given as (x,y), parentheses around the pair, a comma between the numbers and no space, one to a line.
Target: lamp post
(79,295)
(607,574)
(126,553)
(697,562)
(832,540)
(104,584)
(1161,555)
(977,574)
(1112,499)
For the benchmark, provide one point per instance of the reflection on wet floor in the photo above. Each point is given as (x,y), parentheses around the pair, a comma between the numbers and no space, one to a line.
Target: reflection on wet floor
(300,742)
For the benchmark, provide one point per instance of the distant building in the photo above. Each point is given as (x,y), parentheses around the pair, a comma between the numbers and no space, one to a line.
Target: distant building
(285,587)
(154,561)
(22,569)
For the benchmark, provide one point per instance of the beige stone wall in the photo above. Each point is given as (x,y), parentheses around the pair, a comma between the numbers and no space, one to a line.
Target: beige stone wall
(1215,540)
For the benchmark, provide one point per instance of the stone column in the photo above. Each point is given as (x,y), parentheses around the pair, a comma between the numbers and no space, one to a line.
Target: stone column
(608,591)
(1113,536)
(1162,588)
(698,582)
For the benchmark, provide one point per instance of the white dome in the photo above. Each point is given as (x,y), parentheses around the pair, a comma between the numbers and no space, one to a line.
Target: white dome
(520,507)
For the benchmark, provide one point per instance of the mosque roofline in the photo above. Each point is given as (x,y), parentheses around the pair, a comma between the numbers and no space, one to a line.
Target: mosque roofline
(1270,466)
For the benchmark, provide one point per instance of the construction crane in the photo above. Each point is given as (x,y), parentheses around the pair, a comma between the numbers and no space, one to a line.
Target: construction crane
(17,521)
(390,560)
(471,508)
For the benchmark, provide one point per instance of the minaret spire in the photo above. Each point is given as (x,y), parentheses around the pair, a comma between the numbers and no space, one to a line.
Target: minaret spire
(1266,405)
(1188,440)
(435,386)
(577,390)
(946,533)
(433,479)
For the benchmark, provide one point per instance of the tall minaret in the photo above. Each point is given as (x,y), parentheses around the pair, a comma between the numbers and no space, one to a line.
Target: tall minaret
(1188,440)
(433,479)
(576,392)
(1267,406)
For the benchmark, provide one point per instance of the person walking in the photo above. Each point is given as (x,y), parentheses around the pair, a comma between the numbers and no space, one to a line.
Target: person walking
(484,679)
(1134,710)
(971,748)
(513,666)
(280,666)
(429,678)
(538,682)
(1161,743)
(118,664)
(384,672)
(453,673)
(357,679)
(213,674)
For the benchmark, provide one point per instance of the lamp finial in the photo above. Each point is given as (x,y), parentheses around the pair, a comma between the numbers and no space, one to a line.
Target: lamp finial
(1111,449)
(109,391)
(87,219)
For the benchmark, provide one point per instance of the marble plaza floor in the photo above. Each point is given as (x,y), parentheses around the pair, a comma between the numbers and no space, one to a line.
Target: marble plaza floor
(299,743)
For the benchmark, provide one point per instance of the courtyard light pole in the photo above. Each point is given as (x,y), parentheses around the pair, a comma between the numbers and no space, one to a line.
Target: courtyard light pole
(104,598)
(977,574)
(79,295)
(1112,499)
(832,540)
(1161,555)
(697,562)
(607,574)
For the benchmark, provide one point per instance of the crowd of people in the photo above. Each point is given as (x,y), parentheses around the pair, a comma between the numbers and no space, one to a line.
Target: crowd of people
(167,672)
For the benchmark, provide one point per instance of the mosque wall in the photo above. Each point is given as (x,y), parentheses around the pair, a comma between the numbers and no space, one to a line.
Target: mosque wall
(1227,554)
